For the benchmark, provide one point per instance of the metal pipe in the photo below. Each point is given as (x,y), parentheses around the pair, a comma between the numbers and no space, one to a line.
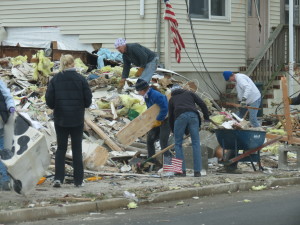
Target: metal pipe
(158,29)
(142,8)
(291,46)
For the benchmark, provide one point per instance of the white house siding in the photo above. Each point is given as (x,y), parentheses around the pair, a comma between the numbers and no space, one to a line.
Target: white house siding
(95,21)
(274,13)
(221,44)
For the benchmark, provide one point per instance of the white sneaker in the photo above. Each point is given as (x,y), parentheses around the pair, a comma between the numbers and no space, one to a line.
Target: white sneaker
(57,184)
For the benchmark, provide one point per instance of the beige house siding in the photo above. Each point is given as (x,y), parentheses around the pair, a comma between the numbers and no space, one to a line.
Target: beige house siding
(221,44)
(93,20)
(274,13)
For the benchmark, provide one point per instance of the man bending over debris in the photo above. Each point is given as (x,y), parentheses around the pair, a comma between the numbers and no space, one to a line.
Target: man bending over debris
(247,93)
(183,115)
(68,94)
(161,128)
(139,56)
(7,106)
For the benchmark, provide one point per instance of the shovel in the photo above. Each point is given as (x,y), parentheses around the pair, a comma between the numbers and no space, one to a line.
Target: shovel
(240,106)
(141,165)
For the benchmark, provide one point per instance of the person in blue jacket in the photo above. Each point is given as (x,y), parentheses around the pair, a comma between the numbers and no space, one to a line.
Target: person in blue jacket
(161,129)
(7,107)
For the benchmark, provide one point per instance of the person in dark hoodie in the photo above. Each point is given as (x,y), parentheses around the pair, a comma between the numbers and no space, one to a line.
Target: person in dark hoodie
(183,115)
(160,130)
(68,94)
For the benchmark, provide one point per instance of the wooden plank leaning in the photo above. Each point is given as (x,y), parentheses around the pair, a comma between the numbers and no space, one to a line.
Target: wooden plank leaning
(139,126)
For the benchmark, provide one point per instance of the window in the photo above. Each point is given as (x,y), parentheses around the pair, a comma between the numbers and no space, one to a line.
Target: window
(209,9)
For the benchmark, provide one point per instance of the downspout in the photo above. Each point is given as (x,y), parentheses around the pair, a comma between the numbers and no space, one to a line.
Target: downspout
(142,9)
(269,21)
(158,29)
(291,47)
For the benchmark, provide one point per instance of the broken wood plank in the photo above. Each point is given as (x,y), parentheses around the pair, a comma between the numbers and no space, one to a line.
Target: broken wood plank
(113,110)
(103,135)
(293,140)
(134,149)
(139,126)
(94,156)
(117,174)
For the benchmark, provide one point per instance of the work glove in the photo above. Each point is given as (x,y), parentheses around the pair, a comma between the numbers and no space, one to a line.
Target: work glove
(139,72)
(156,123)
(121,85)
(243,102)
(12,109)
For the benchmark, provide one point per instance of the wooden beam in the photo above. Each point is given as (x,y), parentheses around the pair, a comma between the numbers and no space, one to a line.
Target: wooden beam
(103,135)
(287,113)
(139,126)
(294,140)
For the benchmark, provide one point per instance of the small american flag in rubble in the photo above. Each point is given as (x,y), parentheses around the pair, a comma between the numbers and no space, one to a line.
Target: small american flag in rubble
(172,165)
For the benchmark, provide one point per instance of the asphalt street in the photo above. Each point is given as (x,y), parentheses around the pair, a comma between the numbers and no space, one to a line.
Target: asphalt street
(278,206)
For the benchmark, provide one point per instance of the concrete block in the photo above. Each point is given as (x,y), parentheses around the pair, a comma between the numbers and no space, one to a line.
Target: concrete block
(283,158)
(188,156)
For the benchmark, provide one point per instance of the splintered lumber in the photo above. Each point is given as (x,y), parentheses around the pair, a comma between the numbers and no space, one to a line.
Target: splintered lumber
(103,135)
(113,110)
(293,140)
(94,155)
(139,126)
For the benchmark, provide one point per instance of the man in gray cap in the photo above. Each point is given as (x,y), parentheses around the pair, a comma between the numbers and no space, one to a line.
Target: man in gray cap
(139,56)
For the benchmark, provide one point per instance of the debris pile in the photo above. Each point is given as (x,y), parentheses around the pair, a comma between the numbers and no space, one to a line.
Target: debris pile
(108,114)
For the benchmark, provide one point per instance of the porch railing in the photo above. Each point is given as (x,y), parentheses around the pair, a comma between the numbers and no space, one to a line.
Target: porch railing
(274,55)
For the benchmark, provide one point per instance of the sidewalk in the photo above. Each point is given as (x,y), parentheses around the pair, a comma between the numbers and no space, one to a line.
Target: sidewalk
(46,201)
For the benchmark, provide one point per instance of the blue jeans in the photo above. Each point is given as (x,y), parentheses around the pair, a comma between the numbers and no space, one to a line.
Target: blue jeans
(190,121)
(3,171)
(149,70)
(252,113)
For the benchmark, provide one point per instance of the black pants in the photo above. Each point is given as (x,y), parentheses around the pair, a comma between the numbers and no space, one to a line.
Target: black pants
(162,133)
(62,134)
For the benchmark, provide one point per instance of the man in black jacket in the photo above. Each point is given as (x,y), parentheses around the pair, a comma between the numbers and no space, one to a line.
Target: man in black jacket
(139,56)
(183,115)
(68,94)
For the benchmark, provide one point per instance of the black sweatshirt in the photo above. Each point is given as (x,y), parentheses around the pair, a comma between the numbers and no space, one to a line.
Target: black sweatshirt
(138,55)
(182,101)
(68,94)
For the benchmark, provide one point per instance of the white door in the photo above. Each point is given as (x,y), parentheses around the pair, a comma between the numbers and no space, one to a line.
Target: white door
(257,33)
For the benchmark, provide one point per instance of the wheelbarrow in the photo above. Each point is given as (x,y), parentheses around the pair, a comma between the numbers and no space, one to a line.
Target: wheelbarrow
(250,141)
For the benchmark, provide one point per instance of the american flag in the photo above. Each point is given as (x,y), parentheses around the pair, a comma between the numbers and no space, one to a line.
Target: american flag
(172,165)
(176,37)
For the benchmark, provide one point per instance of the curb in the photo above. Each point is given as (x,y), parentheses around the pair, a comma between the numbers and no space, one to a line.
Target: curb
(21,215)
